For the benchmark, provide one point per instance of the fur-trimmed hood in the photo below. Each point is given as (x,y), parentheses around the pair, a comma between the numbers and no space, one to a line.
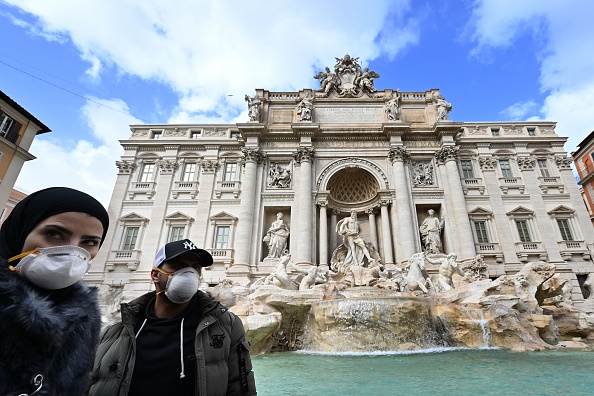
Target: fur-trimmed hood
(54,332)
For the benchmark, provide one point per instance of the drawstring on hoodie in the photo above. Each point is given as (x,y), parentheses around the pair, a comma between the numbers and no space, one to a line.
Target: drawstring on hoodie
(181,349)
(182,374)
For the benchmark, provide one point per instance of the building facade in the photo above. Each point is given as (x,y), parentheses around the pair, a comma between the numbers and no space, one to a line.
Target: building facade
(307,159)
(18,128)
(583,158)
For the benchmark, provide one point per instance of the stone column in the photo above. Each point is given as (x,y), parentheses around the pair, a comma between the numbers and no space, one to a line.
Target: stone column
(372,228)
(449,155)
(251,157)
(386,234)
(333,235)
(304,200)
(404,231)
(323,234)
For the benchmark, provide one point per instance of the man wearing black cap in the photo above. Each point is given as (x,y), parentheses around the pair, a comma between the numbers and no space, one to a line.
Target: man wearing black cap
(176,340)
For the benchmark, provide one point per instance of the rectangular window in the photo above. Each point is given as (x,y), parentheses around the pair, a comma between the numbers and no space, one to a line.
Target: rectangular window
(147,173)
(230,171)
(130,237)
(467,171)
(157,135)
(5,124)
(481,231)
(522,226)
(544,169)
(176,233)
(505,168)
(495,131)
(531,131)
(189,172)
(222,238)
(196,135)
(565,230)
(234,135)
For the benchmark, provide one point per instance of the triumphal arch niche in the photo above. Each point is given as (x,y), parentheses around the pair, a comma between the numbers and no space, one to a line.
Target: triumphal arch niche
(348,147)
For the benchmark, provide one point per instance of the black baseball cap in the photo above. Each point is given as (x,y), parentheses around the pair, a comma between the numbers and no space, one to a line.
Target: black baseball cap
(176,248)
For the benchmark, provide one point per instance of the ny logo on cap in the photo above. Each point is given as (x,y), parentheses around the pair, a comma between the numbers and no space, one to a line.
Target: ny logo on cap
(189,245)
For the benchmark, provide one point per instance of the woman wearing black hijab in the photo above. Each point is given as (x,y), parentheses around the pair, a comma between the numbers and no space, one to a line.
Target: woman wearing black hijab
(49,319)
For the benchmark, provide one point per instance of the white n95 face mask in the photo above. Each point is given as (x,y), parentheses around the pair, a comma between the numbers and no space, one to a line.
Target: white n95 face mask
(53,268)
(181,285)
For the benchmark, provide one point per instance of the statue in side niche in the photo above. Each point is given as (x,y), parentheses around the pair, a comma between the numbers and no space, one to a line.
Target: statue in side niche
(276,237)
(352,240)
(392,107)
(305,108)
(448,266)
(431,233)
(254,106)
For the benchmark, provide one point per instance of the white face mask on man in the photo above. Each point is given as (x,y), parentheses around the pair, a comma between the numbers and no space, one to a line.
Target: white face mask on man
(181,285)
(54,267)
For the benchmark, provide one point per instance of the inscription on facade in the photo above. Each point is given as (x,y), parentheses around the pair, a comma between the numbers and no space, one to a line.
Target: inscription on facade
(281,116)
(415,116)
(342,115)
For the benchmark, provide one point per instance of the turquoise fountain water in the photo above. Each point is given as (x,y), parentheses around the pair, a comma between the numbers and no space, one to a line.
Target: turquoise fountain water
(454,372)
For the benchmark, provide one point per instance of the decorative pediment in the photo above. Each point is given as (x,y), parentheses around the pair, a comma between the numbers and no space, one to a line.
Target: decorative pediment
(133,217)
(149,156)
(480,212)
(179,216)
(223,216)
(520,211)
(561,210)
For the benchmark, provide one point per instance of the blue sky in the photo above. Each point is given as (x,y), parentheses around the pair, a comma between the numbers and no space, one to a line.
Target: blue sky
(89,69)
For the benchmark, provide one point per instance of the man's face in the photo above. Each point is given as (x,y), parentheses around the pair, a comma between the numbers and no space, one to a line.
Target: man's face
(175,264)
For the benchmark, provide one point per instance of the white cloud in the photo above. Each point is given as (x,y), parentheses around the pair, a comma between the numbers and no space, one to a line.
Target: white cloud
(84,165)
(207,50)
(519,110)
(563,33)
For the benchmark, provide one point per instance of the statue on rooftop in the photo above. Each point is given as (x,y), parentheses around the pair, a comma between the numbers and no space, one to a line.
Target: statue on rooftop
(254,107)
(305,108)
(392,107)
(443,107)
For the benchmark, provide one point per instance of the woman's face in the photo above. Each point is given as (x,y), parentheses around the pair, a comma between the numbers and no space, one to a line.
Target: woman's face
(66,229)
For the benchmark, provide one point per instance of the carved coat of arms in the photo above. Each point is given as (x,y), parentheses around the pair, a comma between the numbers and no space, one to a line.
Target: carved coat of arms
(348,79)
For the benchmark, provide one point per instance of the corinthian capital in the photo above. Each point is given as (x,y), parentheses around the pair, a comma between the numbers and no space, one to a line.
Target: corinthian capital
(563,162)
(526,163)
(447,153)
(252,154)
(125,167)
(304,154)
(487,163)
(398,154)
